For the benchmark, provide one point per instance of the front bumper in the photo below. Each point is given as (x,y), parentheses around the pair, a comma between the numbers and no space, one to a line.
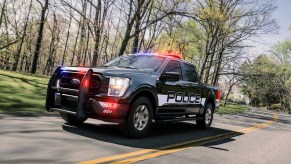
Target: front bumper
(93,108)
(110,114)
(80,105)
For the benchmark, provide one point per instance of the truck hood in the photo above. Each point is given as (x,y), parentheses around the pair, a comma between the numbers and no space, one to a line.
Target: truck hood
(110,71)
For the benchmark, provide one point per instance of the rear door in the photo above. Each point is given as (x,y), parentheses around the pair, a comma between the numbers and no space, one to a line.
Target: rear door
(192,88)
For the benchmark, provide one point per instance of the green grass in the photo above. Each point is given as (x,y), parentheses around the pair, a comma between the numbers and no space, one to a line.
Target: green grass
(232,108)
(22,92)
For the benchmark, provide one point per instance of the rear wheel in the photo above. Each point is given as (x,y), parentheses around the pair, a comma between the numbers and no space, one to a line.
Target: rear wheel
(72,119)
(207,117)
(139,120)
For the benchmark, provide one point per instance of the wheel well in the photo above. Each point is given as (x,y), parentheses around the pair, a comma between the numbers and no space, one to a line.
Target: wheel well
(148,95)
(211,101)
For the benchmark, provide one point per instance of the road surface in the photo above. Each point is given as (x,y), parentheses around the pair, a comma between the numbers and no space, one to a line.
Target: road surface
(253,137)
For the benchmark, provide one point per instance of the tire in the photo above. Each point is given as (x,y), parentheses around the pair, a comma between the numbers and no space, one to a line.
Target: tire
(207,116)
(72,119)
(139,119)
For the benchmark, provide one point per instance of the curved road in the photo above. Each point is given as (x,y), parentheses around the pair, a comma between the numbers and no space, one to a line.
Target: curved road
(252,137)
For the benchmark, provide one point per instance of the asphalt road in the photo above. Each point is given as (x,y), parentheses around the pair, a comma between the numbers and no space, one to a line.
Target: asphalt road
(252,137)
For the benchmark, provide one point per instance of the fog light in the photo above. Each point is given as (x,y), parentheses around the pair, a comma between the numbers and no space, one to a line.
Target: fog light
(108,104)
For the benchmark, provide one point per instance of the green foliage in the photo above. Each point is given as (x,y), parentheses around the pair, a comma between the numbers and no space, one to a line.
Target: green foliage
(232,108)
(187,39)
(269,77)
(260,83)
(282,55)
(22,92)
(282,52)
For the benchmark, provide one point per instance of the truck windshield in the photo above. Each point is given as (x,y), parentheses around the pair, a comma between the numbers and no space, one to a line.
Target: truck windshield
(140,62)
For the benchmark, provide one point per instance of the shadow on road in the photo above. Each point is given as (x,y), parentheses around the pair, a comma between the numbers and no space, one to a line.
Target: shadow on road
(160,134)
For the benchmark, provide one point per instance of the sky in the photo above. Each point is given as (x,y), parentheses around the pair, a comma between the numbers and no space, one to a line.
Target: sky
(282,15)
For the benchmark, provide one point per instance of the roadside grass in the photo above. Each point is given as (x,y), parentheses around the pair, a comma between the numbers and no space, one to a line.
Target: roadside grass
(232,108)
(22,92)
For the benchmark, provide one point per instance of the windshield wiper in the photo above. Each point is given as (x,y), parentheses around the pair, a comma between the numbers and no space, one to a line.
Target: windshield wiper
(130,67)
(108,66)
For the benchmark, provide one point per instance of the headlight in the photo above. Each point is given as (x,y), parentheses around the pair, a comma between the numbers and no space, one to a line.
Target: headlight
(117,86)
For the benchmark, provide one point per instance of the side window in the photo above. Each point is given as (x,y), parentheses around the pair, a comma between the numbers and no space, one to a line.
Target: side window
(190,73)
(173,66)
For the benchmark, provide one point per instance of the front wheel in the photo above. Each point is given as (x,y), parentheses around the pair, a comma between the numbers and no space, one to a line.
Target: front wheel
(207,117)
(139,119)
(72,119)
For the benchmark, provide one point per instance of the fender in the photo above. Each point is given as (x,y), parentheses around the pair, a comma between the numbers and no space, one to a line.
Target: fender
(209,96)
(142,88)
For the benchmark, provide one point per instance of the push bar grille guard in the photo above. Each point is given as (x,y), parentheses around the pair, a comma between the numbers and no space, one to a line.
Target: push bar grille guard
(82,93)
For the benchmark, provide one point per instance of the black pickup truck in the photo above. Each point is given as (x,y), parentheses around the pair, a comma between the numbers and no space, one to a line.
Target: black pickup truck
(133,90)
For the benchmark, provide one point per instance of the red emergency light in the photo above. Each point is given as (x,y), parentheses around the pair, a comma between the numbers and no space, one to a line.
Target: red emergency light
(171,53)
(86,83)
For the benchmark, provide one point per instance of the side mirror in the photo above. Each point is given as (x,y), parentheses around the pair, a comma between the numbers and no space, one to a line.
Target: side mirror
(170,76)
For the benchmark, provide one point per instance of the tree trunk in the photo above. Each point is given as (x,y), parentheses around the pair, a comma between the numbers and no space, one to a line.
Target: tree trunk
(2,12)
(231,84)
(130,24)
(52,47)
(85,50)
(216,74)
(39,38)
(67,38)
(17,56)
(137,31)
(82,35)
(206,51)
(228,92)
(75,46)
(97,31)
(22,61)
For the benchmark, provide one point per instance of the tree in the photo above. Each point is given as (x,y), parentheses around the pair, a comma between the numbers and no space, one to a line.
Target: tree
(208,33)
(255,86)
(134,16)
(99,20)
(19,49)
(184,37)
(227,24)
(2,11)
(44,8)
(282,55)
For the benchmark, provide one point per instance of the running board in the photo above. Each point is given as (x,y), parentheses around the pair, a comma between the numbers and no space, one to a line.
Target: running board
(178,119)
(61,110)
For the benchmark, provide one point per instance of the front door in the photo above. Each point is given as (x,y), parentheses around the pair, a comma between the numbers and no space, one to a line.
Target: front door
(170,92)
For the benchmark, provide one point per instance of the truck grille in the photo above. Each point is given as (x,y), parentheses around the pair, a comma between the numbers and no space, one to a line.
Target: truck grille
(96,85)
(67,77)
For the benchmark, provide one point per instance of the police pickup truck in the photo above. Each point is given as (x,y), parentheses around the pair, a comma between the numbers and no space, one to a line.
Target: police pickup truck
(133,90)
